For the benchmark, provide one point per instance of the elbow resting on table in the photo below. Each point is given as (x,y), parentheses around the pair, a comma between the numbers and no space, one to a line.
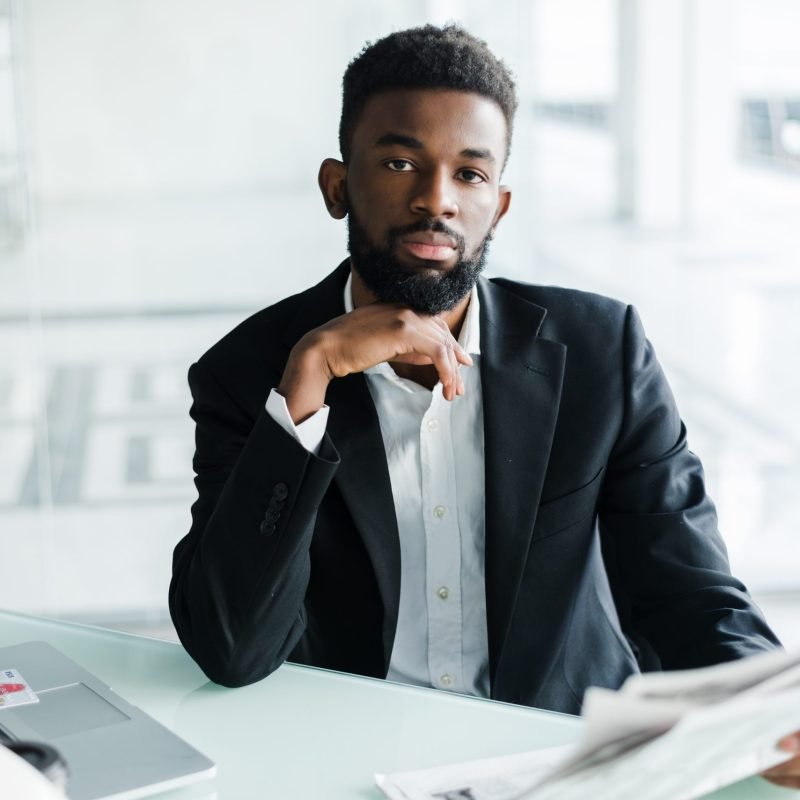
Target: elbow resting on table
(248,661)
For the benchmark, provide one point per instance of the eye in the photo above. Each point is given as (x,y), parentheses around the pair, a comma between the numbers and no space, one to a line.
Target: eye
(471,176)
(400,165)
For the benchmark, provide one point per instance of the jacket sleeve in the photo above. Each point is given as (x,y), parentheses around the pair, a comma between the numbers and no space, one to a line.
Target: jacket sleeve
(239,577)
(660,526)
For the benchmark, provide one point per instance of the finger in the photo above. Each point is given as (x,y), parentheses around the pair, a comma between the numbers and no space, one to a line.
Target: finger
(791,743)
(413,358)
(459,372)
(785,783)
(458,357)
(788,769)
(450,391)
(456,379)
(439,353)
(462,355)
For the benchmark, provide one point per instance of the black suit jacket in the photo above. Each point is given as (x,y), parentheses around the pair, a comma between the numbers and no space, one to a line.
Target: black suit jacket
(599,534)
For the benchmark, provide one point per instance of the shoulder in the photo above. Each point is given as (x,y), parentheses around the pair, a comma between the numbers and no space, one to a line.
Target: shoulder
(570,314)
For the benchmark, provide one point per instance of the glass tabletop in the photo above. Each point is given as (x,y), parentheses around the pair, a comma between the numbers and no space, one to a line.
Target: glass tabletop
(305,732)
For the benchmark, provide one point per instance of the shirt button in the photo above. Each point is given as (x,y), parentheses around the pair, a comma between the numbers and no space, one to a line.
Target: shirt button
(446,680)
(438,512)
(433,425)
(443,593)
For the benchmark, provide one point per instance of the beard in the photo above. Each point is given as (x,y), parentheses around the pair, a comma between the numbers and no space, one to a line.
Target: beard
(426,291)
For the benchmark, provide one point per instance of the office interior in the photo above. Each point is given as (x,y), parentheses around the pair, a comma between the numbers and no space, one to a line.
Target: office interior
(158,164)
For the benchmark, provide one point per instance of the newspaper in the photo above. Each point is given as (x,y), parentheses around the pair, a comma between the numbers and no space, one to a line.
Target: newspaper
(662,736)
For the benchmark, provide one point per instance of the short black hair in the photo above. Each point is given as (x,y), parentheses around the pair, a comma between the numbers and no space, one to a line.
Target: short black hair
(428,57)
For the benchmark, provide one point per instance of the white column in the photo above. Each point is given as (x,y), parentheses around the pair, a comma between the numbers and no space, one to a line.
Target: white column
(651,112)
(677,112)
(712,109)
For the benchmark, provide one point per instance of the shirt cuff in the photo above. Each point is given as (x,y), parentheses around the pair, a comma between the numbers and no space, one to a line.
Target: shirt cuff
(309,432)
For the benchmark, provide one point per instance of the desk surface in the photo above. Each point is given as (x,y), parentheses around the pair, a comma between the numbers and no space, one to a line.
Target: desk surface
(303,732)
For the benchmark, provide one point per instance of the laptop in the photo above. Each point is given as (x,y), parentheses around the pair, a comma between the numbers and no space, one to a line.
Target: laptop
(112,749)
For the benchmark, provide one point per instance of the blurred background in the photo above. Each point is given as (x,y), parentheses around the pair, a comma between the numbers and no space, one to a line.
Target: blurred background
(158,165)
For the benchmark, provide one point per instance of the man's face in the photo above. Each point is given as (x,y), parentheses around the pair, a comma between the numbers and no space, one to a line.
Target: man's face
(423,194)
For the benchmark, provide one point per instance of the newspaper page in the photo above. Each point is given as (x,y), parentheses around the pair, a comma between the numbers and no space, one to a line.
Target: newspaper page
(500,778)
(662,736)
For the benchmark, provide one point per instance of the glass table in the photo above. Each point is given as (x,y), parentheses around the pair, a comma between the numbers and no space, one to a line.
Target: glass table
(304,732)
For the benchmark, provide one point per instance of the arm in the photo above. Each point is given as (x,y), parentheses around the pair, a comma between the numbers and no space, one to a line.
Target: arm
(240,576)
(661,528)
(237,591)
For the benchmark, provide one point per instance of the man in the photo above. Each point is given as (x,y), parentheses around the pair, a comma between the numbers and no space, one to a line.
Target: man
(498,498)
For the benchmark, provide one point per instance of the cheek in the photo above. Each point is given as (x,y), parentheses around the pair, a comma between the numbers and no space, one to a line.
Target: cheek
(478,214)
(381,197)
(372,199)
(378,201)
(365,184)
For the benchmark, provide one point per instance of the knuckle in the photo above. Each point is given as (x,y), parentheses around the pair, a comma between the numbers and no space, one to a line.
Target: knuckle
(440,351)
(401,324)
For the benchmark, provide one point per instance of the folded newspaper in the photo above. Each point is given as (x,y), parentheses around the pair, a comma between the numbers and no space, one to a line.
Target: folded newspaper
(662,736)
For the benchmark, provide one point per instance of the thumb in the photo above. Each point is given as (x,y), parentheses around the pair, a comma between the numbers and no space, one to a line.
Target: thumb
(791,743)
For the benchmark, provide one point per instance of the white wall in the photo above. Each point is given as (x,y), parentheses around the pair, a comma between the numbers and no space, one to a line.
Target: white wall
(187,95)
(768,37)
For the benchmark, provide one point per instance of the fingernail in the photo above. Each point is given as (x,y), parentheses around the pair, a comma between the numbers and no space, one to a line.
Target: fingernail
(790,744)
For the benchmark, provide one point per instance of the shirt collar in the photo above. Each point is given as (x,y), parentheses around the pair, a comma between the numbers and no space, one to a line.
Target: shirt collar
(470,336)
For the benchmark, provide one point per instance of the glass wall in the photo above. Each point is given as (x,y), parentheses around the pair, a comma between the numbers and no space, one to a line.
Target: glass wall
(158,165)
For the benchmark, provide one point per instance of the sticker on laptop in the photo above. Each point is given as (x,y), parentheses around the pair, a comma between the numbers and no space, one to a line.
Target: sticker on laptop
(14,690)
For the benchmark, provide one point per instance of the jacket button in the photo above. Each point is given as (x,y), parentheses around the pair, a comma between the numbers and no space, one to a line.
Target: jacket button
(280,490)
(266,527)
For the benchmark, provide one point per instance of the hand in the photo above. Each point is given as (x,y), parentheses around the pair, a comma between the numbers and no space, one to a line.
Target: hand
(787,774)
(357,341)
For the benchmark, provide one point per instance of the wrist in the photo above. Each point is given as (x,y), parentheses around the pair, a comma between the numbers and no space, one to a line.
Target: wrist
(304,383)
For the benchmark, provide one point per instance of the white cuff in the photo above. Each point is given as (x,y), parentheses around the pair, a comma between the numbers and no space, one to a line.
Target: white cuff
(309,432)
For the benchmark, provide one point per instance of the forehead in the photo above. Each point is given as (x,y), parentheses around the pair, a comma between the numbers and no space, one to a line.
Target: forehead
(436,117)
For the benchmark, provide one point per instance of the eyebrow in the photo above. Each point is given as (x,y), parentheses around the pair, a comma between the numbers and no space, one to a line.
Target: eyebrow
(473,152)
(389,139)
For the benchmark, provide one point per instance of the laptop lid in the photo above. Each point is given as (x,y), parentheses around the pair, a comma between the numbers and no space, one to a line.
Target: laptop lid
(112,749)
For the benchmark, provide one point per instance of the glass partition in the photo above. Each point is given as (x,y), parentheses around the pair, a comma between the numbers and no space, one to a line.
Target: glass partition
(158,184)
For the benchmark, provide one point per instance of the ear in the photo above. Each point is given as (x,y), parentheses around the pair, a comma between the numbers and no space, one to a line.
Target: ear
(332,181)
(503,204)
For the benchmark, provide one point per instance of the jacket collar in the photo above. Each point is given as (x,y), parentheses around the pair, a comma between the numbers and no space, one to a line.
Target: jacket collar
(521,377)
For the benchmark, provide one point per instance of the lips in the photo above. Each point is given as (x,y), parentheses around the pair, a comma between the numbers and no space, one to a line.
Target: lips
(430,247)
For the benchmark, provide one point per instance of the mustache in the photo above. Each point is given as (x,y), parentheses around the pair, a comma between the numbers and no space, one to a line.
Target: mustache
(425,226)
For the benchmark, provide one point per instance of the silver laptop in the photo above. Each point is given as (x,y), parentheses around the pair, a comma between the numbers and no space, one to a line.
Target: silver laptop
(112,748)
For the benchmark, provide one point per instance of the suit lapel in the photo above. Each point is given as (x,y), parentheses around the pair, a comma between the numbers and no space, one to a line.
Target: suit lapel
(363,479)
(363,474)
(521,376)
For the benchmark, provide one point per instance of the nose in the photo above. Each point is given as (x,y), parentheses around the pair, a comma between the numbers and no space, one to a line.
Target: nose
(434,195)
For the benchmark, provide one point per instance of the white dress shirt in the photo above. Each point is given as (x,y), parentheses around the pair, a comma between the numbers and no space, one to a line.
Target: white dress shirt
(434,451)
